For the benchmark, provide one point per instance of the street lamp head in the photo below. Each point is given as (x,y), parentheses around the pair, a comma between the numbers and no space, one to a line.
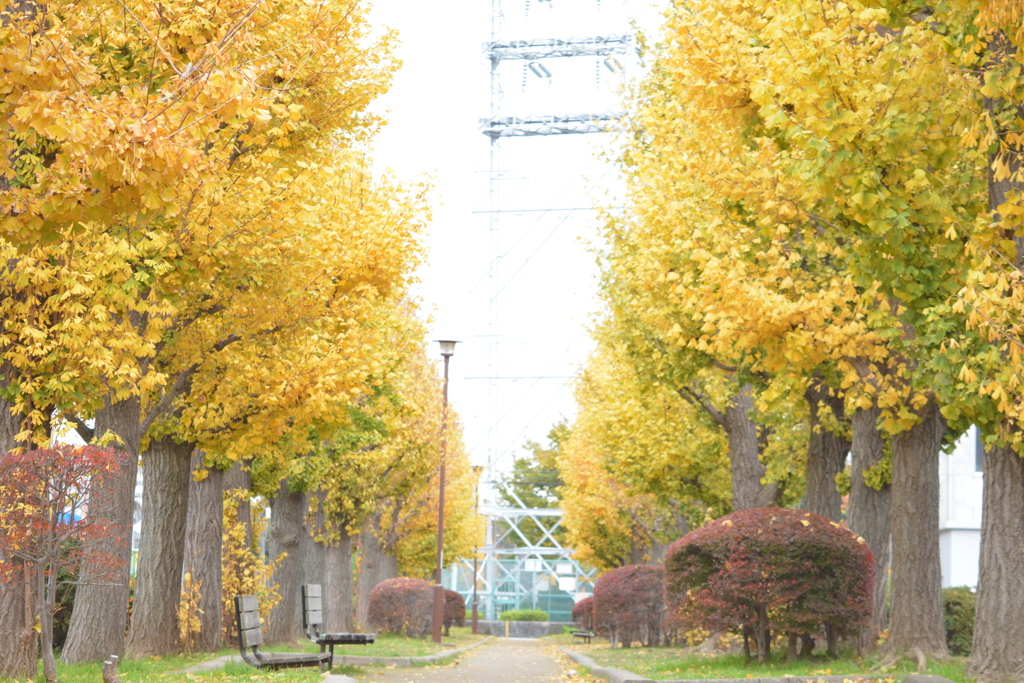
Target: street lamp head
(447,347)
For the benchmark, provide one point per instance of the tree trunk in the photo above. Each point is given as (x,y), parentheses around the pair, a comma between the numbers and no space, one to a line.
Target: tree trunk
(338,584)
(101,604)
(740,424)
(832,638)
(314,554)
(46,622)
(18,644)
(998,650)
(203,541)
(658,551)
(762,636)
(17,637)
(870,513)
(916,620)
(639,545)
(826,454)
(791,647)
(285,538)
(165,485)
(375,565)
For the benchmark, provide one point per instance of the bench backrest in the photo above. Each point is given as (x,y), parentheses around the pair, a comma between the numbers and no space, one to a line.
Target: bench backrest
(247,611)
(312,606)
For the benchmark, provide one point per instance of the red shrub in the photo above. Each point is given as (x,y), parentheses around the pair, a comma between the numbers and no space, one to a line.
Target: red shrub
(402,605)
(767,569)
(454,610)
(583,614)
(629,604)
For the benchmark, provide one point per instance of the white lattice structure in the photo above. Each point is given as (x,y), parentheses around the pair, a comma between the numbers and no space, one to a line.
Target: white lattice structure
(514,572)
(565,124)
(545,48)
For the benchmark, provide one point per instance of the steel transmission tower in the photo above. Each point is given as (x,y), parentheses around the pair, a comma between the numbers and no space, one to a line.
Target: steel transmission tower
(524,563)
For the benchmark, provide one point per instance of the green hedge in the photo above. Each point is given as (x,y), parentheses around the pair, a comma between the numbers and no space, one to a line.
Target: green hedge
(958,612)
(524,615)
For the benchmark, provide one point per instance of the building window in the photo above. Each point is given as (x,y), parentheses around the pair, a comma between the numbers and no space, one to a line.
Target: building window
(979,451)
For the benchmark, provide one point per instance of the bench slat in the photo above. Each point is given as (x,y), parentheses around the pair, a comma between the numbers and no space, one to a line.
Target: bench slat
(348,638)
(312,590)
(315,604)
(287,660)
(250,637)
(247,603)
(294,656)
(314,617)
(249,620)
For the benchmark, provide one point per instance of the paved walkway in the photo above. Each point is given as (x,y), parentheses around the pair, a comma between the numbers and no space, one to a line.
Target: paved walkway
(511,660)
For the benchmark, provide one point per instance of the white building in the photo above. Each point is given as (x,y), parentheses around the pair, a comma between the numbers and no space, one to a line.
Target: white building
(960,490)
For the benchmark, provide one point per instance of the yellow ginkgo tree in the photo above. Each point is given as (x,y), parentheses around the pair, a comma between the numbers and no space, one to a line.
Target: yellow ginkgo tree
(641,465)
(986,38)
(794,167)
(286,343)
(162,131)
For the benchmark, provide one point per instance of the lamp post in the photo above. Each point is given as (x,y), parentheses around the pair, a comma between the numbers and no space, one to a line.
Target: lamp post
(477,469)
(447,350)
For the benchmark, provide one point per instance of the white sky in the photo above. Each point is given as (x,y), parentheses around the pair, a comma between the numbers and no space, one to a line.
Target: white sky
(545,277)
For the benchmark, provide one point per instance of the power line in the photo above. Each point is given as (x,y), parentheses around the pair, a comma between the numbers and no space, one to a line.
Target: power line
(525,377)
(577,208)
(541,245)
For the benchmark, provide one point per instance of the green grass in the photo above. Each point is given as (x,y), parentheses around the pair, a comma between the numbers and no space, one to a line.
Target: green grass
(165,669)
(390,645)
(666,663)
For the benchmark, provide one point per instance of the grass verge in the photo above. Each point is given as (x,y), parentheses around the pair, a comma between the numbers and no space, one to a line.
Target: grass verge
(167,669)
(667,663)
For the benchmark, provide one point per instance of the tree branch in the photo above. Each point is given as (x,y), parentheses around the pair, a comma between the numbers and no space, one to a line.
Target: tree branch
(177,389)
(85,431)
(180,386)
(723,366)
(697,399)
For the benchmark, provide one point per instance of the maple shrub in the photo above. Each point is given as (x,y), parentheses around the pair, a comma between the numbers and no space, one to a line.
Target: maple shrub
(454,610)
(629,604)
(45,526)
(403,606)
(772,569)
(583,613)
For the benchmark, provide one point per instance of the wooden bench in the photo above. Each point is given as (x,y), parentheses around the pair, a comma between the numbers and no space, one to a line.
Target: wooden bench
(585,635)
(313,619)
(250,637)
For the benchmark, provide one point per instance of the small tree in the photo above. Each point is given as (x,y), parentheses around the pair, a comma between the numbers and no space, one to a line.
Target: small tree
(243,568)
(629,604)
(583,613)
(767,569)
(43,496)
(454,610)
(402,605)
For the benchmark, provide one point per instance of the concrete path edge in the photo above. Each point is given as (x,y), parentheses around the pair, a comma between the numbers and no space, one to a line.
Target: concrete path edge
(623,676)
(608,674)
(363,660)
